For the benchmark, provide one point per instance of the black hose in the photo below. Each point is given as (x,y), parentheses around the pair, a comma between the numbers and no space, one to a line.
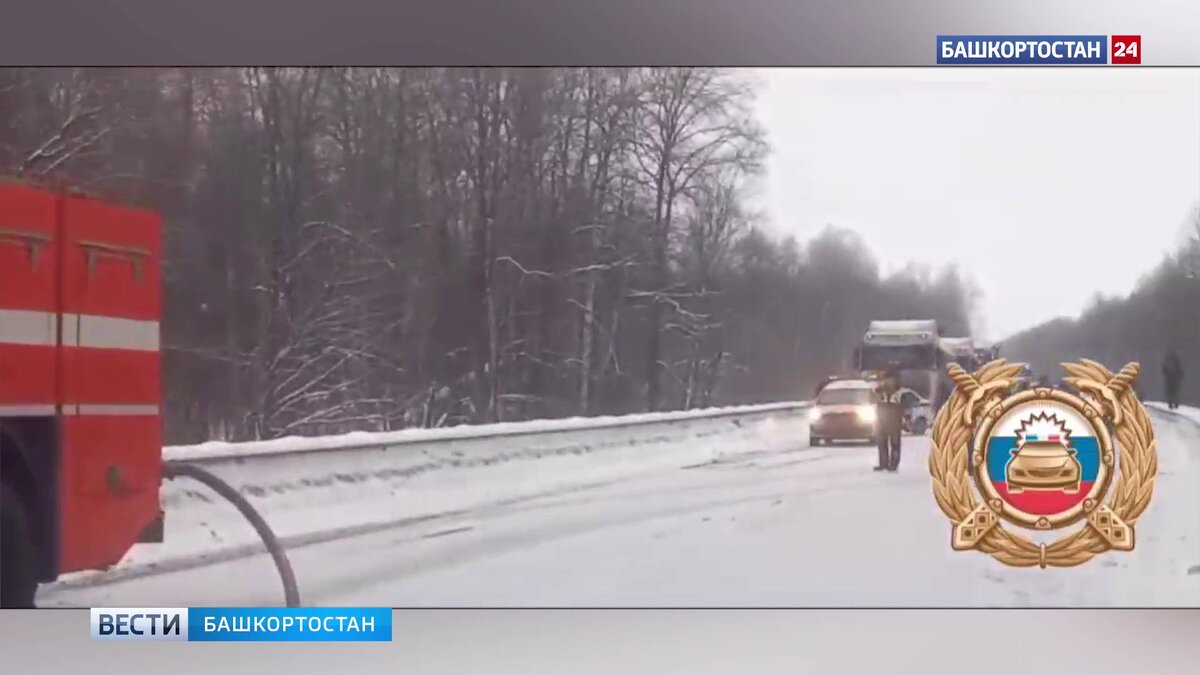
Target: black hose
(291,591)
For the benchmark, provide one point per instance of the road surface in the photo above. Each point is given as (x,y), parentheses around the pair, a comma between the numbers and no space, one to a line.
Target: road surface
(804,527)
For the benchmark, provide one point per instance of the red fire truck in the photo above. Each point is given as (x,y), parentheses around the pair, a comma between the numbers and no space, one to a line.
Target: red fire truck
(80,391)
(80,427)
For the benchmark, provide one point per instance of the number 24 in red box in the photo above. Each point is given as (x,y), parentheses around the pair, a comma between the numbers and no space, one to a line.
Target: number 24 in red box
(1126,49)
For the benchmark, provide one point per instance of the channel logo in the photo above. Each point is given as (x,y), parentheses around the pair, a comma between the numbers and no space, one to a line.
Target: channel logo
(1126,49)
(241,624)
(140,624)
(1061,50)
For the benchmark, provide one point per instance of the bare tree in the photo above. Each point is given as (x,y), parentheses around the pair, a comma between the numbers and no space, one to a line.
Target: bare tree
(693,121)
(373,248)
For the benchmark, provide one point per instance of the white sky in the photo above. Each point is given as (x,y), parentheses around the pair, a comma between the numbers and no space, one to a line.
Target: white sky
(1064,172)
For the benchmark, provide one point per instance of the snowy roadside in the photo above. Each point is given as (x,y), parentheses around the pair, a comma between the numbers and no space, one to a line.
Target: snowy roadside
(825,534)
(365,482)
(1184,411)
(814,528)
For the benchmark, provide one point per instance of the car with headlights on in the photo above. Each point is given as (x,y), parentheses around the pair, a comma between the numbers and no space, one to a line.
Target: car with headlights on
(844,411)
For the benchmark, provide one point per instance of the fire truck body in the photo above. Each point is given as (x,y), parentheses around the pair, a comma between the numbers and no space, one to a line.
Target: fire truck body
(80,393)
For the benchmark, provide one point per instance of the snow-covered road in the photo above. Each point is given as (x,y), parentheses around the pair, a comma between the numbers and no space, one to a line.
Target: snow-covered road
(803,527)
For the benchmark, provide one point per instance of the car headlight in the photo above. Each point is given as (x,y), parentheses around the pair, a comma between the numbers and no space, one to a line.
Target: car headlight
(814,414)
(866,413)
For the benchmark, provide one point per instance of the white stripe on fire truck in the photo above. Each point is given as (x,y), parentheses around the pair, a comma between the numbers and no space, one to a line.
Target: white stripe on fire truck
(26,410)
(105,409)
(24,327)
(80,409)
(109,332)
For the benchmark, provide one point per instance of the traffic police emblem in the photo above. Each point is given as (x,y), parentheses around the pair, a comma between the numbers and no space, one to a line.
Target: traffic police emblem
(1043,459)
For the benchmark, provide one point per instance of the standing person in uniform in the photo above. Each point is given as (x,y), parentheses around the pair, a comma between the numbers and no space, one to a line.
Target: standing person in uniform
(1172,377)
(889,415)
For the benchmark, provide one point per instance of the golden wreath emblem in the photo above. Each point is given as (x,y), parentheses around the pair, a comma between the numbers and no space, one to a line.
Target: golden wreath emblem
(1043,459)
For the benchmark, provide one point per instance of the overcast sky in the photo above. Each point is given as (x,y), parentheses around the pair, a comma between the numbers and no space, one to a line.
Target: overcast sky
(1032,180)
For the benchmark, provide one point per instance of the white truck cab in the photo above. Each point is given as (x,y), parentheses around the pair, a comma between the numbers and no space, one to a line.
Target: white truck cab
(909,347)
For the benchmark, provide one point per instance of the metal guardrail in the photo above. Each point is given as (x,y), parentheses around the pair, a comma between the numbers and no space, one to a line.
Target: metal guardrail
(220,450)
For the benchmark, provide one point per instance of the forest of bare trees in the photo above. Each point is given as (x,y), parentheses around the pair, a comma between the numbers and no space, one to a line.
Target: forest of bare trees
(1161,314)
(375,248)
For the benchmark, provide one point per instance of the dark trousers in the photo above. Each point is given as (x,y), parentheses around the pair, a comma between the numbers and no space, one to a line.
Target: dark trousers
(888,435)
(1172,395)
(889,448)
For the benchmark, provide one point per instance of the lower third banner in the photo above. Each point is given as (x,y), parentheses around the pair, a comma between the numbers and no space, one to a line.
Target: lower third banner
(277,624)
(241,624)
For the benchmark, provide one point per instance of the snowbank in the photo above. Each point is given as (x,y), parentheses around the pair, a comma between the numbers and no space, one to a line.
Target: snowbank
(314,489)
(361,439)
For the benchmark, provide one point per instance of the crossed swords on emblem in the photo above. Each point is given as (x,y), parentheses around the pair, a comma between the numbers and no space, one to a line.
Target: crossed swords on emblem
(1101,404)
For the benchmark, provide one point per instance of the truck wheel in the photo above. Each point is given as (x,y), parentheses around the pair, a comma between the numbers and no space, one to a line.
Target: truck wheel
(813,441)
(18,583)
(920,425)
